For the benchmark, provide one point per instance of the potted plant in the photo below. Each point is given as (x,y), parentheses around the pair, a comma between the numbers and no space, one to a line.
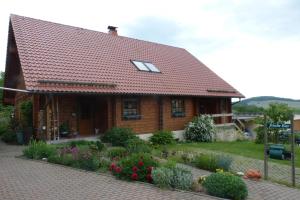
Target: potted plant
(64,129)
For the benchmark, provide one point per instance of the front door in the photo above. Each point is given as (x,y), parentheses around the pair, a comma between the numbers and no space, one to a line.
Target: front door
(86,116)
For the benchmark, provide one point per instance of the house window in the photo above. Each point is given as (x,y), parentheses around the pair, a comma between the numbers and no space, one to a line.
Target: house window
(145,66)
(131,109)
(178,109)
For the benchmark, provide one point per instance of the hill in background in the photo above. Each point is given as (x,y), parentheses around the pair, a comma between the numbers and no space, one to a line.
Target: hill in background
(264,101)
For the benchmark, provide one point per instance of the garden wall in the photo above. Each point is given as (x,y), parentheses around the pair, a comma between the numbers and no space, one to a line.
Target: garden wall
(227,133)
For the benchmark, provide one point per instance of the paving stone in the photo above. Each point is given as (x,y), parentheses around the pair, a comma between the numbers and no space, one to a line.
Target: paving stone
(25,179)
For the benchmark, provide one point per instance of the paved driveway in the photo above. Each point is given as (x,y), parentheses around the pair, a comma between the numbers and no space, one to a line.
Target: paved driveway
(24,179)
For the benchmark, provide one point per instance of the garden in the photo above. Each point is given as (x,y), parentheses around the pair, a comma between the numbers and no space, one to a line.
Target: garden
(124,155)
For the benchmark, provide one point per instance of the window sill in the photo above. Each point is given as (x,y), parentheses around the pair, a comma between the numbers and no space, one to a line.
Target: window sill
(178,114)
(132,117)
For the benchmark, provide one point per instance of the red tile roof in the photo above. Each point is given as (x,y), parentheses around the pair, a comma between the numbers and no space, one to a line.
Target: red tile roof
(61,58)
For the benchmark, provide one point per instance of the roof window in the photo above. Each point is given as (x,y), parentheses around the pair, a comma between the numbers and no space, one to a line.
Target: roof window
(145,66)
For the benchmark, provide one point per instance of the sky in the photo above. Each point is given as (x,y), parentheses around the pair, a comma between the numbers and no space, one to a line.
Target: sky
(254,45)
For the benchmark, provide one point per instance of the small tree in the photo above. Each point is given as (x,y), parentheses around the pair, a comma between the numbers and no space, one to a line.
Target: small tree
(275,113)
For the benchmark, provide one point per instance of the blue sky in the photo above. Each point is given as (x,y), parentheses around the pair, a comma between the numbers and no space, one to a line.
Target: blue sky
(252,44)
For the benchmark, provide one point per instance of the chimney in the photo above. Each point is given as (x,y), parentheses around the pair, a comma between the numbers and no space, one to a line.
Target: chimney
(112,30)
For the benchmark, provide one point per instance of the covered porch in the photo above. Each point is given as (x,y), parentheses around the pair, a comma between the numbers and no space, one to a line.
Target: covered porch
(58,117)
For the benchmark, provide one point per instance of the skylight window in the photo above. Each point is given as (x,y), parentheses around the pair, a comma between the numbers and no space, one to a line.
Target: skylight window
(140,66)
(152,67)
(145,66)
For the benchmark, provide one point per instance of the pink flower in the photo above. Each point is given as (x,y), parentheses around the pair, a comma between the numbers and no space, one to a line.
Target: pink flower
(149,178)
(112,166)
(118,169)
(140,163)
(135,169)
(134,176)
(149,169)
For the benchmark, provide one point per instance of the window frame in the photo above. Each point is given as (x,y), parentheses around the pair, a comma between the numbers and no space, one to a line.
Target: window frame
(136,116)
(177,113)
(144,63)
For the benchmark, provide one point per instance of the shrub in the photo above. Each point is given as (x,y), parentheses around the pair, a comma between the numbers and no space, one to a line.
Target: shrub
(9,136)
(80,143)
(137,145)
(39,150)
(4,125)
(162,177)
(87,161)
(226,185)
(116,152)
(169,164)
(162,138)
(96,146)
(118,136)
(66,159)
(135,167)
(201,129)
(182,178)
(176,177)
(224,162)
(26,113)
(76,157)
(206,161)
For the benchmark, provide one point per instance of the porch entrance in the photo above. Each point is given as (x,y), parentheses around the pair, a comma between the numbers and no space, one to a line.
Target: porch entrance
(92,116)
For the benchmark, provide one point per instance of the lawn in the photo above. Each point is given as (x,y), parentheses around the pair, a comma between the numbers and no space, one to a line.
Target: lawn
(245,148)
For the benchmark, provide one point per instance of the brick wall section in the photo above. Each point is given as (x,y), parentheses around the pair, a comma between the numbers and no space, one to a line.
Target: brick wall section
(177,123)
(149,111)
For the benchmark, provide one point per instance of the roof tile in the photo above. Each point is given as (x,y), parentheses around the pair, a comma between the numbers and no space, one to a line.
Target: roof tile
(51,51)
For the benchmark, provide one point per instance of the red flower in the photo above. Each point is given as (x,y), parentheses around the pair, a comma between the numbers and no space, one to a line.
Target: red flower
(140,163)
(149,169)
(134,176)
(112,166)
(118,169)
(134,168)
(149,178)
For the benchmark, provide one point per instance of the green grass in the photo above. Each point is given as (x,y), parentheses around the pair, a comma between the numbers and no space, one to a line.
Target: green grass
(245,148)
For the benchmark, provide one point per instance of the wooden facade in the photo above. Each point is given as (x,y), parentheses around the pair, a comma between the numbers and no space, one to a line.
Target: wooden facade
(87,115)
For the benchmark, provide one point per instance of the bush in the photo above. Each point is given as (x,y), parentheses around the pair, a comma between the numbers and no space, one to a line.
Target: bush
(39,150)
(118,136)
(26,114)
(201,129)
(212,162)
(162,177)
(96,146)
(4,125)
(162,138)
(182,179)
(137,145)
(226,185)
(75,157)
(9,136)
(176,177)
(116,152)
(80,143)
(206,161)
(224,162)
(87,161)
(66,159)
(135,167)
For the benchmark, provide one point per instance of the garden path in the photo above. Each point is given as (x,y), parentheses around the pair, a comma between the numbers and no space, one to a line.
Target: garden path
(26,180)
